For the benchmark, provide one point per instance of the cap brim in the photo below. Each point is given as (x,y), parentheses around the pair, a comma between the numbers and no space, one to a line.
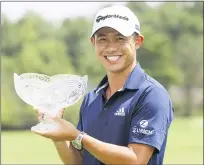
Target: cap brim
(124,30)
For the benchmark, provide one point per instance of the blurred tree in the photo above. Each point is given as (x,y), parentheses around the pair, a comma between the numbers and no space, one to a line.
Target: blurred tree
(185,29)
(155,55)
(72,33)
(190,61)
(172,53)
(39,52)
(10,37)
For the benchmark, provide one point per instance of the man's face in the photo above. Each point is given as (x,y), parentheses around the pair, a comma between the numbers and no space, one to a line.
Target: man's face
(115,51)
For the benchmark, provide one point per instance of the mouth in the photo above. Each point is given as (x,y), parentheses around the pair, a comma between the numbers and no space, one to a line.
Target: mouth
(113,59)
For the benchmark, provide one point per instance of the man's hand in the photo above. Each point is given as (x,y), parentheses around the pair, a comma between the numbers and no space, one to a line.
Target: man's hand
(64,131)
(60,137)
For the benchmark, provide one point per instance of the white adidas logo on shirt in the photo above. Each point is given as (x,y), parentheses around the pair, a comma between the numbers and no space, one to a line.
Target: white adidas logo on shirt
(120,112)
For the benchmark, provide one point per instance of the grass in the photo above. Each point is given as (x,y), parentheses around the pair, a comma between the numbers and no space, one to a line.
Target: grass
(27,148)
(185,142)
(185,145)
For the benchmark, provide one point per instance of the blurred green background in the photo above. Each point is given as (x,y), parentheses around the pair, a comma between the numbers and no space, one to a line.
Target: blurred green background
(172,53)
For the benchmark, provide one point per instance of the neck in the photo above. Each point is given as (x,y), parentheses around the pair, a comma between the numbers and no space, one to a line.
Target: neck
(117,80)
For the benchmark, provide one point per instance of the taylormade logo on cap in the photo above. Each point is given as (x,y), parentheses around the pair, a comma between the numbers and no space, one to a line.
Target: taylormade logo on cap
(99,18)
(117,17)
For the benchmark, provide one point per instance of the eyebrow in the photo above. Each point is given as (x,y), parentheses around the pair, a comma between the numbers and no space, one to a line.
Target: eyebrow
(100,34)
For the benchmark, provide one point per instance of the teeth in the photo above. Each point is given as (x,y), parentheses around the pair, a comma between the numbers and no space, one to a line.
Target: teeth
(113,58)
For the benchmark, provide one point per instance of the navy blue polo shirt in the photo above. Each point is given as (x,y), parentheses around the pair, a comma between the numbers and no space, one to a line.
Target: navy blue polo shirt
(140,112)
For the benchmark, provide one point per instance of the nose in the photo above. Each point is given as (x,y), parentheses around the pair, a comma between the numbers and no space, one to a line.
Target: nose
(111,47)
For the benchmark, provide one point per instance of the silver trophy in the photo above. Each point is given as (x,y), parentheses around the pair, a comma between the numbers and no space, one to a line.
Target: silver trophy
(50,94)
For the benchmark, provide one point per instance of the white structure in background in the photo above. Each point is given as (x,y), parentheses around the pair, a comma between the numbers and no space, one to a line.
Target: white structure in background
(56,11)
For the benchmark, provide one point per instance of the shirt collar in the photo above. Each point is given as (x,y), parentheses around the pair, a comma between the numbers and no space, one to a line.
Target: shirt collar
(134,80)
(102,84)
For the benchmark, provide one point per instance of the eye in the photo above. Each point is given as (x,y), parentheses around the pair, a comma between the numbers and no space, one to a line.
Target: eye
(121,38)
(102,39)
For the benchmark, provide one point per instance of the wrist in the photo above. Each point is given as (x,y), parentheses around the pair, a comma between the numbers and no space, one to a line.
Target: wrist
(77,142)
(75,135)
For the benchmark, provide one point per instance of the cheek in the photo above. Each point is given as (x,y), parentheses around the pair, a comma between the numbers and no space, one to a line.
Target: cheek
(132,46)
(99,50)
(128,49)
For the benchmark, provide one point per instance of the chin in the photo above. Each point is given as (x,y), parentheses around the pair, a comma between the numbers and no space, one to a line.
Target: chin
(115,69)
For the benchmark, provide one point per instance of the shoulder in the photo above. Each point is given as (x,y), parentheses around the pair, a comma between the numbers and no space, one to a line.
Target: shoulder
(151,87)
(153,98)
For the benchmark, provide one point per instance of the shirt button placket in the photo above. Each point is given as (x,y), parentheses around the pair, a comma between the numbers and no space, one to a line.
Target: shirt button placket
(105,109)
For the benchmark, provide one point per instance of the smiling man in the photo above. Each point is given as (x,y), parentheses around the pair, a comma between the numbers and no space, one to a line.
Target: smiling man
(125,120)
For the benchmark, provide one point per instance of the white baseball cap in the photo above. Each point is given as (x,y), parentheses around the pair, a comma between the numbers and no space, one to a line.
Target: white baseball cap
(119,18)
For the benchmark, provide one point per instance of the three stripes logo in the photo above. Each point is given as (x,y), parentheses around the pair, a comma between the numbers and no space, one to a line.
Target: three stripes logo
(120,112)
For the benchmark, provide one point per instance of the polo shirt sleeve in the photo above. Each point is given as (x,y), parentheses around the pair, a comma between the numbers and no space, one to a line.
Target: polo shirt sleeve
(151,118)
(80,125)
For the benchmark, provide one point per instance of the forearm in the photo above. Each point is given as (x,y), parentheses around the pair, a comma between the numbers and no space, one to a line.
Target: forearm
(109,153)
(67,153)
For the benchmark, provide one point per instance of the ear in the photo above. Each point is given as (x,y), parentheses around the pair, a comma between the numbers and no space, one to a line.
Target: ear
(93,41)
(139,41)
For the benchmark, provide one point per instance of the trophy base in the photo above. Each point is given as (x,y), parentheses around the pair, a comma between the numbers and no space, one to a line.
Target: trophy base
(46,126)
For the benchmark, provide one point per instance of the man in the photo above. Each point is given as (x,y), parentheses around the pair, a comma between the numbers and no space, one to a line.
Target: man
(125,120)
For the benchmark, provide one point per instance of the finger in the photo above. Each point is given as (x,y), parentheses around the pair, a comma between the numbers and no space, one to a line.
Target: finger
(41,117)
(61,112)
